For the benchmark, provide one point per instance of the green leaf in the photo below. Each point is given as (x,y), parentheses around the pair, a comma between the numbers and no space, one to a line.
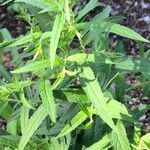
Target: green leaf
(33,66)
(55,36)
(75,122)
(24,117)
(9,141)
(119,110)
(93,90)
(52,7)
(5,110)
(23,99)
(21,40)
(123,31)
(119,139)
(145,142)
(71,95)
(33,123)
(131,64)
(89,6)
(11,87)
(47,98)
(101,144)
(39,3)
(12,127)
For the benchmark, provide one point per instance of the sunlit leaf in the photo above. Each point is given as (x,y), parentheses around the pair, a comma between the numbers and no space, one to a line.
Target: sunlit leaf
(55,36)
(32,125)
(47,98)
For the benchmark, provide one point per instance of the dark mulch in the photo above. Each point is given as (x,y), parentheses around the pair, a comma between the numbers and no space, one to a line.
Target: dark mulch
(15,26)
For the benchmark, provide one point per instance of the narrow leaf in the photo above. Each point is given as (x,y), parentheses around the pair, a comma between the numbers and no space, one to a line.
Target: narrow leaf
(33,123)
(75,122)
(124,31)
(102,143)
(33,66)
(24,117)
(95,95)
(47,98)
(90,6)
(55,35)
(119,139)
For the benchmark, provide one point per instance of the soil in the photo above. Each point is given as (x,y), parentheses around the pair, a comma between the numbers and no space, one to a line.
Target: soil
(15,26)
(137,14)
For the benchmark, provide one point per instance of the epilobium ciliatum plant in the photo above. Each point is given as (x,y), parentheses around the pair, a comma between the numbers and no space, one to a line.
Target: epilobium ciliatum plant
(67,87)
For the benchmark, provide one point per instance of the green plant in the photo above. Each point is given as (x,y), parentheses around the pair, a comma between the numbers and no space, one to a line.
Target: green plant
(59,95)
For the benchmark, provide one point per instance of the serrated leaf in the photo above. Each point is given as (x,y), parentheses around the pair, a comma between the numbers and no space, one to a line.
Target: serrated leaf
(52,7)
(9,141)
(11,87)
(145,142)
(131,64)
(33,66)
(24,117)
(119,139)
(89,6)
(95,95)
(47,98)
(71,95)
(124,31)
(21,40)
(12,127)
(101,144)
(39,4)
(119,111)
(55,36)
(33,123)
(75,122)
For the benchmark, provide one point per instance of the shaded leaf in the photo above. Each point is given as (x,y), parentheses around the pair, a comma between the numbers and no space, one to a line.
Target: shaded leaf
(101,144)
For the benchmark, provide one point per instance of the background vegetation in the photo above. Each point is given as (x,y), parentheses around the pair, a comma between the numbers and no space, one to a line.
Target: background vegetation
(67,87)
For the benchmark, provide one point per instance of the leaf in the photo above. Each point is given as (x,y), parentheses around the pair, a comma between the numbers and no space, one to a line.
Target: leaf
(55,35)
(5,110)
(21,40)
(23,99)
(71,95)
(52,7)
(24,117)
(9,141)
(39,3)
(119,110)
(12,127)
(98,59)
(47,98)
(123,31)
(131,64)
(33,123)
(89,6)
(145,142)
(33,66)
(11,87)
(95,95)
(75,122)
(119,139)
(101,144)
